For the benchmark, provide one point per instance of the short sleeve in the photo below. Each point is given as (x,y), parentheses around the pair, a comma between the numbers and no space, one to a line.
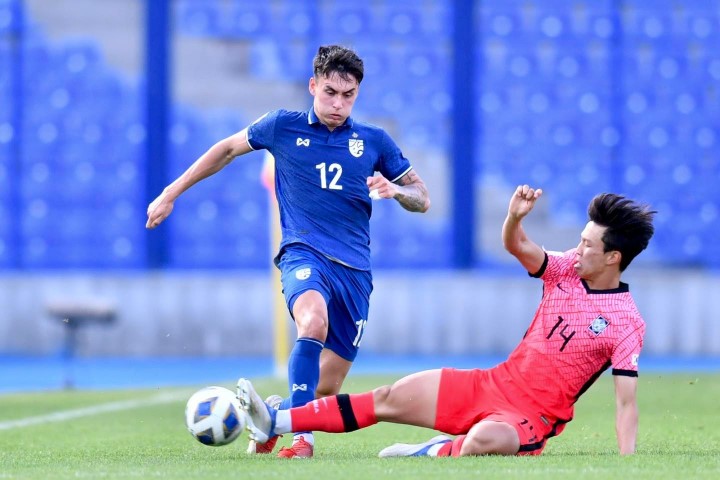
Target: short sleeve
(626,354)
(261,133)
(556,265)
(393,164)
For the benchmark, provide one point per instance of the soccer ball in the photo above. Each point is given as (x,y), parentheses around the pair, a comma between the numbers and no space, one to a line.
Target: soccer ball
(213,416)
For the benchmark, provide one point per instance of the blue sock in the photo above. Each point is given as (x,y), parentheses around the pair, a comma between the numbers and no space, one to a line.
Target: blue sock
(303,372)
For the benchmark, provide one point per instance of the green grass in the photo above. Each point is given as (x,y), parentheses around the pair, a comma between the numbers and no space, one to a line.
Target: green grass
(679,439)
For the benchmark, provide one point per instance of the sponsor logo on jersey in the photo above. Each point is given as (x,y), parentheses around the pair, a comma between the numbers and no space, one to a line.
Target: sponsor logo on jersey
(301,387)
(304,142)
(598,325)
(634,359)
(356,147)
(302,274)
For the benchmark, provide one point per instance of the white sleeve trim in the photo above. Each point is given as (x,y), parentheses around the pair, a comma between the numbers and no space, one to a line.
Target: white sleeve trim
(399,176)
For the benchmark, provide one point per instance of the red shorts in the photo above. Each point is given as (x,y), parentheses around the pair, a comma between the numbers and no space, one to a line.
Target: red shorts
(467,397)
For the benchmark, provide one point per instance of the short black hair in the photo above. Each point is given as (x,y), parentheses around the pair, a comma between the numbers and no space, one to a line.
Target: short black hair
(629,225)
(343,61)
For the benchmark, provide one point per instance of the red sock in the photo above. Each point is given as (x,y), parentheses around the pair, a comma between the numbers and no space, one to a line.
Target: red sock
(452,449)
(339,413)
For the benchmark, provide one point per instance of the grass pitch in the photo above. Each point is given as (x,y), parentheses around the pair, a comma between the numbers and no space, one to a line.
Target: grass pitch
(140,434)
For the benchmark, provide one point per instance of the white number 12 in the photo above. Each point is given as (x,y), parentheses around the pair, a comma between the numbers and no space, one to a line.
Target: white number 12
(335,167)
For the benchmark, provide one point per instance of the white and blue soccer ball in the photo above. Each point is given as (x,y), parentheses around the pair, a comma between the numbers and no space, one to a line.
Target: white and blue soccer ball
(213,416)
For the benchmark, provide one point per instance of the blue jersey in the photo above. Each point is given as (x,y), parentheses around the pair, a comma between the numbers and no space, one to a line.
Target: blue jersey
(321,180)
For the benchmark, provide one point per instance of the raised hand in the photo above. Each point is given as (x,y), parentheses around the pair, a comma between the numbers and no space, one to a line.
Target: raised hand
(523,201)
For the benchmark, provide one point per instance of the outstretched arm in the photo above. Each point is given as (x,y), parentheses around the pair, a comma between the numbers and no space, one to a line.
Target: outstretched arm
(530,254)
(410,191)
(211,162)
(626,414)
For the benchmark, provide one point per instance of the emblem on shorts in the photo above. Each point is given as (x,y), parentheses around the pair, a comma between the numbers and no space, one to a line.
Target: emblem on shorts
(356,147)
(302,274)
(598,325)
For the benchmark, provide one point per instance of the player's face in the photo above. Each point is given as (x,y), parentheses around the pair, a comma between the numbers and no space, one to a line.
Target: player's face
(591,259)
(334,98)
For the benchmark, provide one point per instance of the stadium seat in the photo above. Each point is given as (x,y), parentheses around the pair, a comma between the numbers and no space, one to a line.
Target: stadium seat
(197,17)
(78,56)
(296,20)
(251,19)
(402,19)
(244,251)
(350,21)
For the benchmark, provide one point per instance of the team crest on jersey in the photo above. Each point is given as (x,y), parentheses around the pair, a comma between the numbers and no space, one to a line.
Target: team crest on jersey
(598,325)
(302,273)
(357,147)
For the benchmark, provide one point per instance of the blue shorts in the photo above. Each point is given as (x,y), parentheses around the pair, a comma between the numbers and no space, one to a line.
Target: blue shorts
(346,292)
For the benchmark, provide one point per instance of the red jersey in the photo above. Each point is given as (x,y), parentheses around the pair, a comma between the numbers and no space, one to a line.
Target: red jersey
(576,334)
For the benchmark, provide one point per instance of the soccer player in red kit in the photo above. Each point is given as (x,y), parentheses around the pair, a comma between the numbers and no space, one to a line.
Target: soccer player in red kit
(586,322)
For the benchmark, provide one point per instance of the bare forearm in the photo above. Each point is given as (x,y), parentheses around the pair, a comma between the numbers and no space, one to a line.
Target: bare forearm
(211,162)
(412,193)
(414,198)
(626,428)
(513,234)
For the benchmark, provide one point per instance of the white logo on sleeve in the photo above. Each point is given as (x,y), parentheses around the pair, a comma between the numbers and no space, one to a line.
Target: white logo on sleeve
(634,359)
(356,147)
(302,274)
(304,142)
(302,387)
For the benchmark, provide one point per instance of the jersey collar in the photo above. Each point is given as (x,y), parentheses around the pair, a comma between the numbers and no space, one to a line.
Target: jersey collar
(622,288)
(313,119)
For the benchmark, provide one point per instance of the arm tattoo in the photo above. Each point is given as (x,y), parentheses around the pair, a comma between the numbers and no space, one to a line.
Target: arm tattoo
(413,194)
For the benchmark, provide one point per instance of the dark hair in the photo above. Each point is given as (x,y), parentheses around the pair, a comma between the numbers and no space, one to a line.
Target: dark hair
(629,225)
(336,59)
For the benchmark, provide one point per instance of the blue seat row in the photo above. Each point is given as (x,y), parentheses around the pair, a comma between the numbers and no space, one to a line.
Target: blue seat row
(291,19)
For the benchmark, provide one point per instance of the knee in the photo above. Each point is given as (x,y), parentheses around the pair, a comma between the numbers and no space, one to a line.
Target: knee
(311,324)
(381,395)
(327,390)
(491,438)
(382,399)
(310,314)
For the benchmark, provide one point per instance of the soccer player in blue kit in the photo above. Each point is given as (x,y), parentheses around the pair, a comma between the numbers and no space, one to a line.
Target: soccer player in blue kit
(325,165)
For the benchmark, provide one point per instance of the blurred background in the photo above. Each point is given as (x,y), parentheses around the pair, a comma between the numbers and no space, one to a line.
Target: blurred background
(104,102)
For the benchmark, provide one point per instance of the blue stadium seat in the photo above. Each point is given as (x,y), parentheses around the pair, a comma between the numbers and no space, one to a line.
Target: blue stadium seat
(223,123)
(413,244)
(350,21)
(252,19)
(197,17)
(38,254)
(79,56)
(242,254)
(296,19)
(403,19)
(500,24)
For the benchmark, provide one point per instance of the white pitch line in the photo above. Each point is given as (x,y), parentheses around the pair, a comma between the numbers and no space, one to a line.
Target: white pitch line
(66,415)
